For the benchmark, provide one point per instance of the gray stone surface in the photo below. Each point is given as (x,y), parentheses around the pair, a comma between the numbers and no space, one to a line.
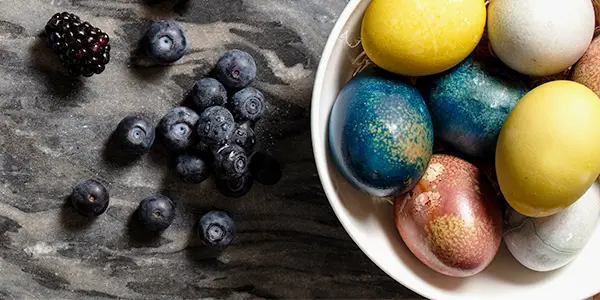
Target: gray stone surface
(54,131)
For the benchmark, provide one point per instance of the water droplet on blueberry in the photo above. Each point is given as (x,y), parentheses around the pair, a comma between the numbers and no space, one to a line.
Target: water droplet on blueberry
(218,124)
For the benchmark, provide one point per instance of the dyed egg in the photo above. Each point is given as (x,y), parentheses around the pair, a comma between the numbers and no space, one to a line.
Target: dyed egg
(421,37)
(380,133)
(587,70)
(549,243)
(469,103)
(547,154)
(451,220)
(540,37)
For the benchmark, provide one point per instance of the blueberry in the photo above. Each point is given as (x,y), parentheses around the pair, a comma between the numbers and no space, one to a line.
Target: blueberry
(235,187)
(248,105)
(244,137)
(208,92)
(265,168)
(165,42)
(216,229)
(216,126)
(199,148)
(156,212)
(90,198)
(231,162)
(136,134)
(177,128)
(191,168)
(236,69)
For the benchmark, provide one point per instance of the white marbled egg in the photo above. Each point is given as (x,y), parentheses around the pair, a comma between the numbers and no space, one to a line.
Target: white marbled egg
(546,244)
(540,37)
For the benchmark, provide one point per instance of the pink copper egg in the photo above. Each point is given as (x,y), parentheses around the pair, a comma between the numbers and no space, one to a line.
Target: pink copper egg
(451,220)
(587,70)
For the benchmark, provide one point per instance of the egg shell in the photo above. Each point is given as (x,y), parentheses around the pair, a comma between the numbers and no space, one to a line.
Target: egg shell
(540,37)
(547,151)
(587,70)
(469,103)
(549,243)
(451,220)
(421,37)
(597,11)
(380,133)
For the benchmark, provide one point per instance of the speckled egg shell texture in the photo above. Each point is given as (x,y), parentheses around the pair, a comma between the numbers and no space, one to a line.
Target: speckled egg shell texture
(451,220)
(469,103)
(587,70)
(380,133)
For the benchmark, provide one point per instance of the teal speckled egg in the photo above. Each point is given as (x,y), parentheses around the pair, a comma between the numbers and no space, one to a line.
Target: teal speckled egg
(469,103)
(380,133)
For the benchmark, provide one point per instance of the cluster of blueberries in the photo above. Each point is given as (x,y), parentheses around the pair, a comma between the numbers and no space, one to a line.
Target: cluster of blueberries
(214,133)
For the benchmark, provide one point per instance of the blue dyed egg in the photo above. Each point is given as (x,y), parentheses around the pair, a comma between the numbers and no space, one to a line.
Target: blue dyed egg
(469,103)
(380,133)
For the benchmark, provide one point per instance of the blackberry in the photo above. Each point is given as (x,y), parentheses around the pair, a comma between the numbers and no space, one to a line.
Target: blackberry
(82,48)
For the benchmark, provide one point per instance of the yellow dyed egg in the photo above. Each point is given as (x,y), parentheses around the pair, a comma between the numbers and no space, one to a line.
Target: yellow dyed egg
(421,37)
(548,151)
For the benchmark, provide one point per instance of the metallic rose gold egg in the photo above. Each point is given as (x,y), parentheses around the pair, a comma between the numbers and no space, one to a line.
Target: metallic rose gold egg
(587,70)
(451,220)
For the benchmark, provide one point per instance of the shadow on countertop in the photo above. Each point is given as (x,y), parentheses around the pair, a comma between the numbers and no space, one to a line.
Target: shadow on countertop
(47,64)
(114,156)
(140,236)
(140,64)
(71,220)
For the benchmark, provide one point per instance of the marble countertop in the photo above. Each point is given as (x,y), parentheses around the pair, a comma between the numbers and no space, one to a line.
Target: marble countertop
(54,131)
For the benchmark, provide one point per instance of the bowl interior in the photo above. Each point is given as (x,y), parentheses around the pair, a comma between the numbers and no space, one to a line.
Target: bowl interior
(371,223)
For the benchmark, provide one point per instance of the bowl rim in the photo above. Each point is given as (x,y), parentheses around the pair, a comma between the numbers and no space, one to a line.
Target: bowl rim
(320,160)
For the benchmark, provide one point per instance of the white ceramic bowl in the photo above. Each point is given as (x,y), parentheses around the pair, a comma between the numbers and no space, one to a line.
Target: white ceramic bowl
(371,225)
